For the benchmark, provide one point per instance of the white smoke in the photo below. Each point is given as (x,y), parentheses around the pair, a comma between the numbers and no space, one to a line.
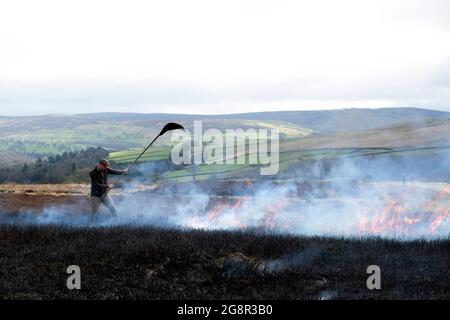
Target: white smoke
(343,205)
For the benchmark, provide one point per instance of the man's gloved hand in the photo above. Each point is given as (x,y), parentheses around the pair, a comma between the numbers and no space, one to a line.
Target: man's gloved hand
(125,172)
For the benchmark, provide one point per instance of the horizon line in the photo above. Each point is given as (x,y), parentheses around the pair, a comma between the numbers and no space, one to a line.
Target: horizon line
(218,114)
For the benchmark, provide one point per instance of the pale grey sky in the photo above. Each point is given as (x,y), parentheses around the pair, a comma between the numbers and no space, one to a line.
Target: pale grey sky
(228,56)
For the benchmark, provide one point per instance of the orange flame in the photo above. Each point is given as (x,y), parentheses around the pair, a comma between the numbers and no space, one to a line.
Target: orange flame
(399,216)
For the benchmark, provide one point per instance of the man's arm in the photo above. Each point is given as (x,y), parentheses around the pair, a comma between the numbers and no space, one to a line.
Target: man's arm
(117,172)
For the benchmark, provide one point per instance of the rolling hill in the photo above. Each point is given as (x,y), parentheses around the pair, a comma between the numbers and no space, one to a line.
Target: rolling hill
(323,121)
(305,136)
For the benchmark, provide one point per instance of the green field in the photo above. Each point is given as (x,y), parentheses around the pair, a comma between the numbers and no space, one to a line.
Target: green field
(110,136)
(287,160)
(128,156)
(43,141)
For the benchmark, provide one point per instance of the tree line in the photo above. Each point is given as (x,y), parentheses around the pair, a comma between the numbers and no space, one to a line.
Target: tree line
(66,167)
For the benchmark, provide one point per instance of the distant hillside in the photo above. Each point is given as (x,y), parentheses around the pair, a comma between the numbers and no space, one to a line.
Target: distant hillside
(351,119)
(417,135)
(25,139)
(323,120)
(432,132)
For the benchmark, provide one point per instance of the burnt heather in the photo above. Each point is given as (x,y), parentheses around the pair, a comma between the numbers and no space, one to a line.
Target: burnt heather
(152,263)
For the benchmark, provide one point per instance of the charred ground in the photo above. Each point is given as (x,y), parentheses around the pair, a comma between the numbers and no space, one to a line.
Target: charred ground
(151,263)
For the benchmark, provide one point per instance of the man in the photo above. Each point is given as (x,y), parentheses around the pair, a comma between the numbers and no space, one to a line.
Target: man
(100,186)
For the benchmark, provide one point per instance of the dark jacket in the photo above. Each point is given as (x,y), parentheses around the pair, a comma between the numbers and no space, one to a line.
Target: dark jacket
(99,181)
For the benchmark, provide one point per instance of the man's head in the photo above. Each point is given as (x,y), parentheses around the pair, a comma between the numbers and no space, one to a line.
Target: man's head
(103,164)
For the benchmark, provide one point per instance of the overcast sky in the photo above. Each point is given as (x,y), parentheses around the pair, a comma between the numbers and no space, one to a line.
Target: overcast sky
(222,56)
